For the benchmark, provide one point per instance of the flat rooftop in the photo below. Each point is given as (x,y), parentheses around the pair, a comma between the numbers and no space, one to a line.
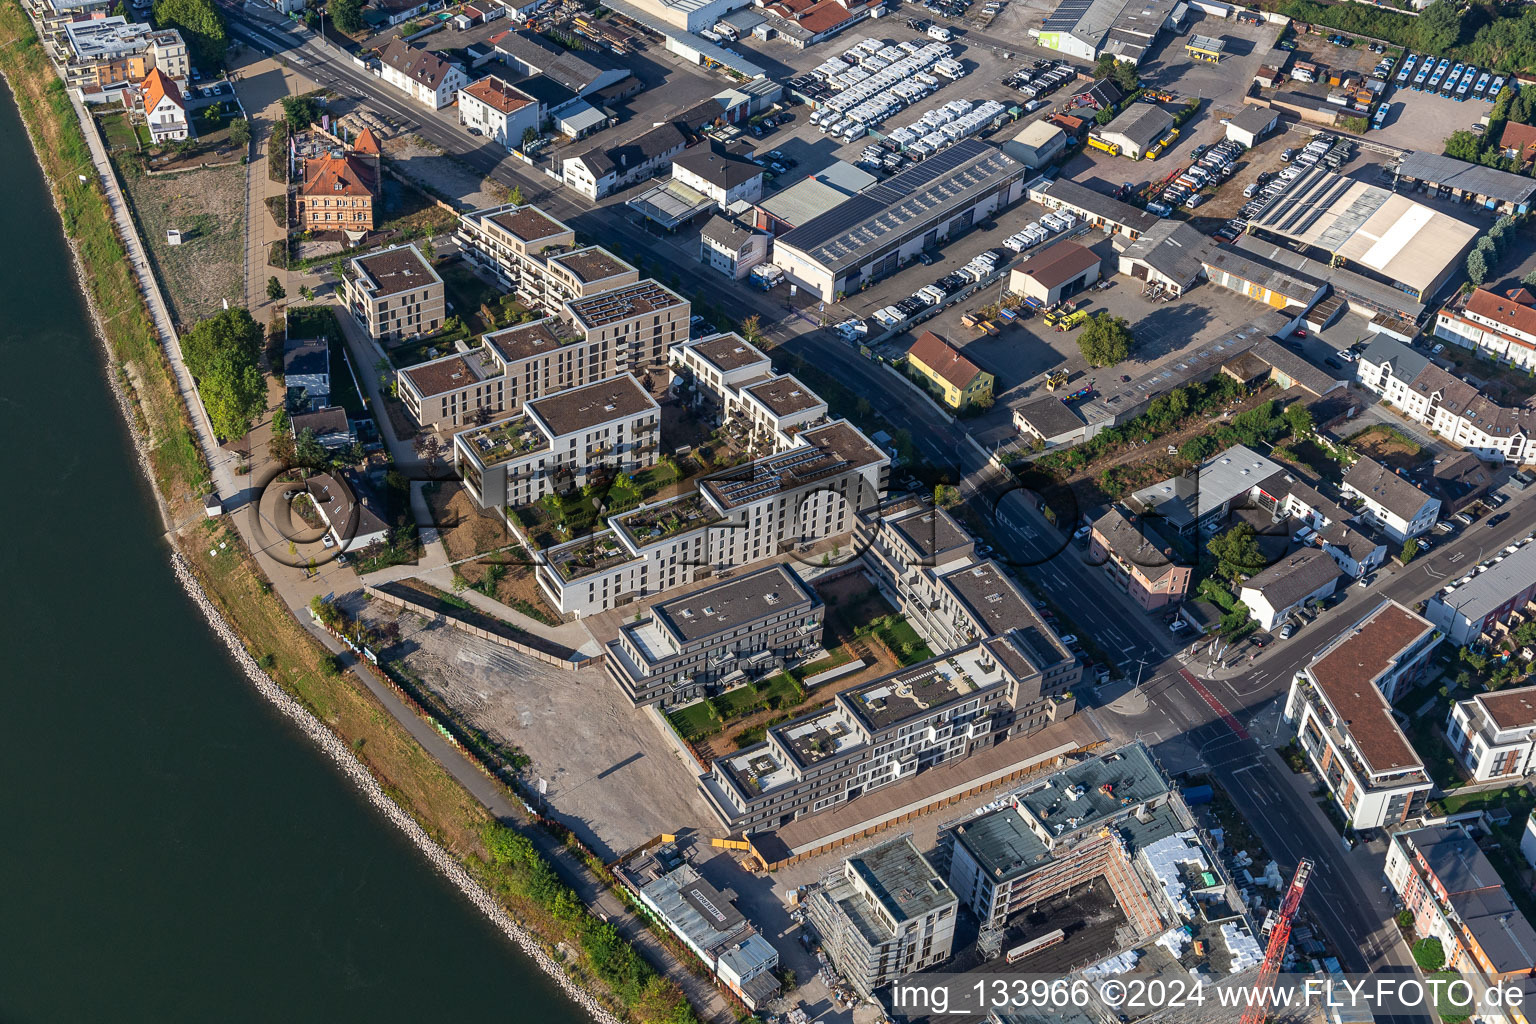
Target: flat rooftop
(728,352)
(576,409)
(594,263)
(526,340)
(657,521)
(729,605)
(624,303)
(449,373)
(816,737)
(786,396)
(998,606)
(825,453)
(901,879)
(930,531)
(397,270)
(921,688)
(1347,670)
(527,223)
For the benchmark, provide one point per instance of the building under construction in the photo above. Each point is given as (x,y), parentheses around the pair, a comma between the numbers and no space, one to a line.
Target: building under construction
(1068,830)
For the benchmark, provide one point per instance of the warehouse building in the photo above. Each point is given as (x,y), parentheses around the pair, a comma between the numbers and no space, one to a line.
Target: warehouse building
(1101,211)
(1380,235)
(1260,279)
(1037,145)
(1055,273)
(1126,29)
(810,197)
(1468,183)
(870,235)
(1251,124)
(1171,254)
(1137,129)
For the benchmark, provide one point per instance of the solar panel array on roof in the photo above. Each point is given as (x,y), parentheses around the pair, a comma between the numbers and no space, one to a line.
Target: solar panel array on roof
(1066,16)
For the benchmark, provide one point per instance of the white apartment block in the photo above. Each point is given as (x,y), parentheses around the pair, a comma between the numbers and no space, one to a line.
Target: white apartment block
(560,442)
(773,505)
(1500,327)
(510,243)
(1339,705)
(1447,405)
(498,111)
(395,293)
(714,369)
(1494,734)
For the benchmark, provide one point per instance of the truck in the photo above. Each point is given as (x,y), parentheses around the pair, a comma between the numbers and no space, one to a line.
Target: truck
(1056,380)
(1072,321)
(1112,148)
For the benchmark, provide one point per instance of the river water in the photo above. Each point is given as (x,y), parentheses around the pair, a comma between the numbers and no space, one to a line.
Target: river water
(170,849)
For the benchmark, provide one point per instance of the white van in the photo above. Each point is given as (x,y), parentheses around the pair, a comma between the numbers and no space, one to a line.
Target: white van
(940,33)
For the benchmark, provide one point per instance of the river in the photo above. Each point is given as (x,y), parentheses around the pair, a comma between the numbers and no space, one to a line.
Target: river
(171,849)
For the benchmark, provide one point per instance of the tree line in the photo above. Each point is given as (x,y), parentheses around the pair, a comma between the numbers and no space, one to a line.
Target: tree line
(1489,34)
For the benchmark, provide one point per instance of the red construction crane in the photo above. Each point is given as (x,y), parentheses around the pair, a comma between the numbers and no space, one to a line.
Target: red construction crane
(1279,936)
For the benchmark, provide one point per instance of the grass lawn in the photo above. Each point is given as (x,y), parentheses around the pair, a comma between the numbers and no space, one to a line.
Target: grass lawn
(904,642)
(119,130)
(419,350)
(779,690)
(1423,732)
(467,293)
(695,721)
(840,656)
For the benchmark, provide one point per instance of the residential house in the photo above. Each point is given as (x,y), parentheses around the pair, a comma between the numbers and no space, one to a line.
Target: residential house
(499,111)
(330,426)
(725,634)
(885,915)
(1460,479)
(561,441)
(422,75)
(601,172)
(1139,561)
(1226,481)
(959,382)
(1287,585)
(1050,420)
(724,178)
(307,373)
(730,248)
(1518,142)
(1392,501)
(350,513)
(394,293)
(1494,734)
(1473,607)
(1340,707)
(164,109)
(1504,328)
(1427,394)
(1456,895)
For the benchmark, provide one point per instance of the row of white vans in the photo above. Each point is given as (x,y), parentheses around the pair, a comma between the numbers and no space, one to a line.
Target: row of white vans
(944,125)
(1039,231)
(983,266)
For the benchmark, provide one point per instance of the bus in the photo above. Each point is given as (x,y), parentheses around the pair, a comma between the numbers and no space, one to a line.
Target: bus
(1034,946)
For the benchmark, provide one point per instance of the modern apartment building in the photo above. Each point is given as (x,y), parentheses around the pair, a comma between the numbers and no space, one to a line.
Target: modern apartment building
(640,322)
(927,564)
(395,294)
(102,56)
(511,243)
(1086,822)
(1448,405)
(1139,561)
(881,732)
(1456,895)
(1494,734)
(1340,707)
(563,440)
(770,413)
(723,634)
(715,369)
(1500,327)
(1392,502)
(884,914)
(1468,608)
(779,503)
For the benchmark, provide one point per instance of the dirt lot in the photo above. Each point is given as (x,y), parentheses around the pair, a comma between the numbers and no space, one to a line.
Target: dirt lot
(426,165)
(1389,447)
(466,529)
(208,207)
(596,752)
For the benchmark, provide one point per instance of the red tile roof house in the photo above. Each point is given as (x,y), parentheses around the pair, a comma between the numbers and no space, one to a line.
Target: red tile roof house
(164,108)
(1518,142)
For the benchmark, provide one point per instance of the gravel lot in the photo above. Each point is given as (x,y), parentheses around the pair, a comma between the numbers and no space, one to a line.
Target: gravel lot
(613,778)
(208,207)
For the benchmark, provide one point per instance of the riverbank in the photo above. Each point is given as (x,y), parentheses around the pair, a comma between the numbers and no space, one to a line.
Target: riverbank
(285,663)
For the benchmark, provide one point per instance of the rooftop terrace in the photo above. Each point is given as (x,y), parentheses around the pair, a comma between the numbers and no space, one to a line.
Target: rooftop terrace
(503,441)
(817,737)
(587,555)
(895,698)
(662,520)
(624,303)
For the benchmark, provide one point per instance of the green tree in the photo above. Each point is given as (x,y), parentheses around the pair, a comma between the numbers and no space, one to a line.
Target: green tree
(234,392)
(240,131)
(1125,76)
(1237,552)
(1199,448)
(201,24)
(516,196)
(346,15)
(1438,28)
(752,329)
(1106,340)
(228,331)
(1299,417)
(1477,267)
(1410,549)
(308,451)
(1463,145)
(1427,952)
(302,111)
(1105,115)
(428,250)
(275,289)
(340,268)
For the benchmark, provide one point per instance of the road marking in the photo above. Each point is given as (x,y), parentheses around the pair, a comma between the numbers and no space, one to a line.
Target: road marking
(1216,705)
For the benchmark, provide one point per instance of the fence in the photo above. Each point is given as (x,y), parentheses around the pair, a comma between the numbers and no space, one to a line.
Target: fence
(548,652)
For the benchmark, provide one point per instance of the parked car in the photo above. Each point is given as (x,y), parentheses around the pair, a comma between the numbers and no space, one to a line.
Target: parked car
(1069,639)
(1177,626)
(1287,631)
(1367,581)
(1497,519)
